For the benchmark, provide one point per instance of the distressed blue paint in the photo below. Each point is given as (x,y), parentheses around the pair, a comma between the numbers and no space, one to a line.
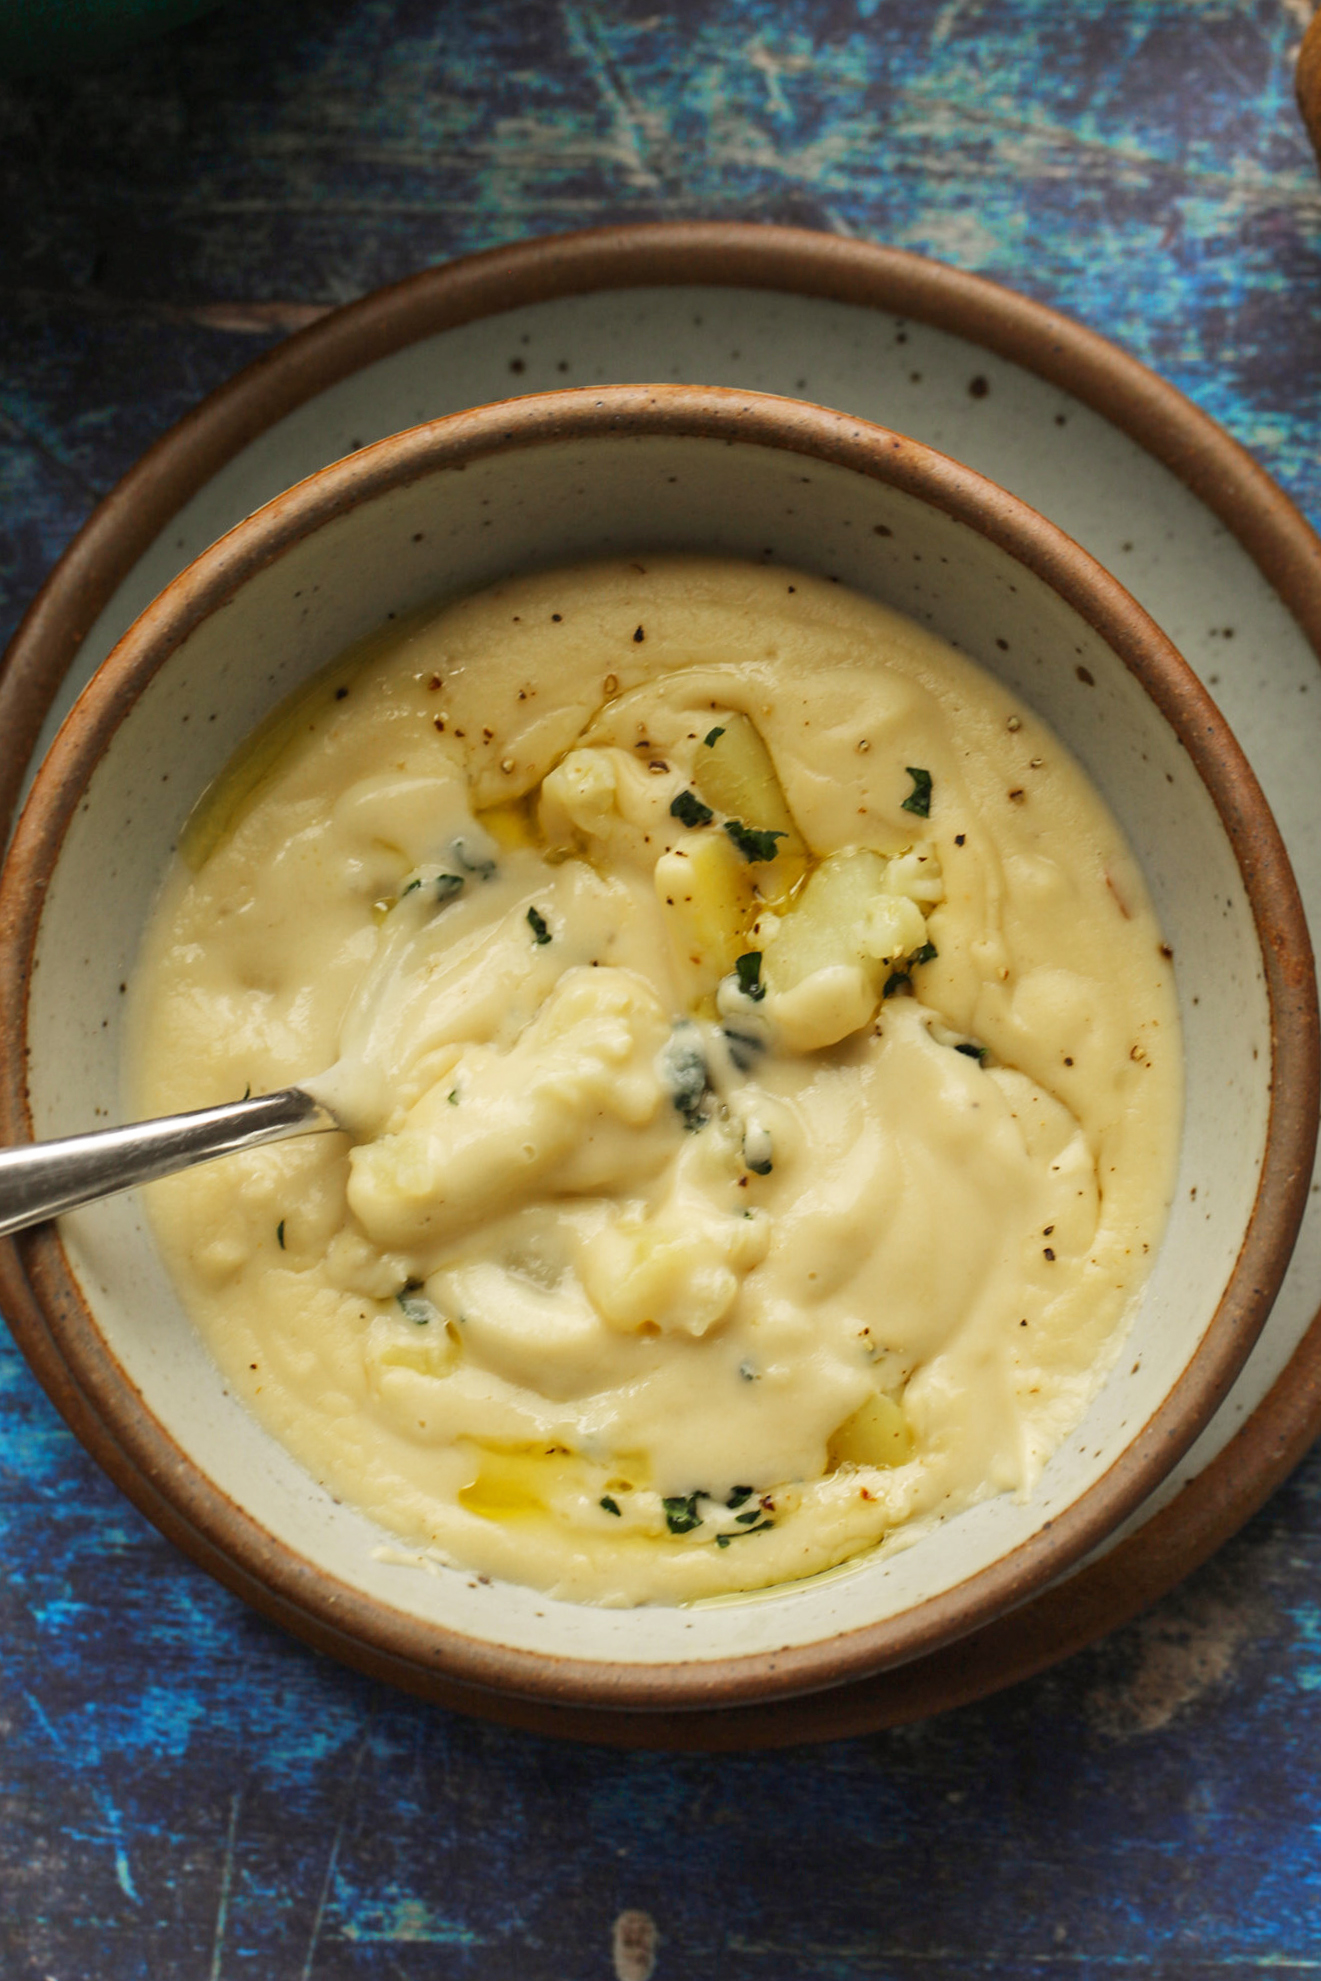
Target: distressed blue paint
(183,1791)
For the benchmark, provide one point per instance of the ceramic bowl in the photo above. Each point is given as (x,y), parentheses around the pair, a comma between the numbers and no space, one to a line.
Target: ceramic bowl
(549,479)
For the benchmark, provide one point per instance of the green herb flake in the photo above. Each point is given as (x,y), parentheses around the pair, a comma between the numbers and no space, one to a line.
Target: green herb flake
(537,924)
(611,1506)
(918,800)
(751,843)
(689,810)
(746,1519)
(898,980)
(684,1074)
(723,1540)
(744,1048)
(926,954)
(747,968)
(739,1494)
(681,1515)
(453,1097)
(279,1234)
(971,1051)
(447,886)
(413,1303)
(712,736)
(412,888)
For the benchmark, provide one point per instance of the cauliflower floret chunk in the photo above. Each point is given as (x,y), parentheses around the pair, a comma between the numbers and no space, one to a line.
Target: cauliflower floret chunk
(579,794)
(680,1267)
(578,1094)
(916,874)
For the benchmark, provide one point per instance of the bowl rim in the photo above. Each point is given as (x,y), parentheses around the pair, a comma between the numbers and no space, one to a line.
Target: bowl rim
(389,1635)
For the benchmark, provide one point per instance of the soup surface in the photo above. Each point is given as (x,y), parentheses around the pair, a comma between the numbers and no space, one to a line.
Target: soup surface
(761,1068)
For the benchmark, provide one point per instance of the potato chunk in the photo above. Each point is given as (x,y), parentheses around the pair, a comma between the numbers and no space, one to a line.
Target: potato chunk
(877,1434)
(826,924)
(707,892)
(827,963)
(845,915)
(735,776)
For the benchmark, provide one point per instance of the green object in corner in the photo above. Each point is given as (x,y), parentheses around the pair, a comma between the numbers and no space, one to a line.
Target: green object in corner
(37,35)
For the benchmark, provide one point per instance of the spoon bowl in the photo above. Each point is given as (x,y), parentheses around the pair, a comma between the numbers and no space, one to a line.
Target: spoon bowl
(43,1180)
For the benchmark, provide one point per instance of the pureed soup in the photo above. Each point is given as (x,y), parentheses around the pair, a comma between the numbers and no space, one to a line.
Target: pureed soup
(761,1064)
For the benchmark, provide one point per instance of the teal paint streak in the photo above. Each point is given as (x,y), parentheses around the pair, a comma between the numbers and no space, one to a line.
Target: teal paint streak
(398,1921)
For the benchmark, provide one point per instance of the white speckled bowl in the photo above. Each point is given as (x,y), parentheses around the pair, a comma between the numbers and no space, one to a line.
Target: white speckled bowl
(544,480)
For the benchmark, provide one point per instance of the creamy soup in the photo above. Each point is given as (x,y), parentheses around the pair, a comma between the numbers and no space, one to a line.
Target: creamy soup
(759,1064)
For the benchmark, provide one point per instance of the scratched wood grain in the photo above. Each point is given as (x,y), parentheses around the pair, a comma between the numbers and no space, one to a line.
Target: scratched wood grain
(183,1791)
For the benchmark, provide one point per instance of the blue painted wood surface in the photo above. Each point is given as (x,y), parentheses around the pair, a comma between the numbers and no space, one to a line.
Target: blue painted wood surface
(183,1791)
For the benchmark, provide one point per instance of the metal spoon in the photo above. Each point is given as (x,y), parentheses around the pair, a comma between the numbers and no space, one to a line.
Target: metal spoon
(43,1179)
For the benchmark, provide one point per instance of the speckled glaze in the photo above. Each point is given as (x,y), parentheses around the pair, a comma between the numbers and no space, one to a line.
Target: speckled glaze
(553,478)
(1155,489)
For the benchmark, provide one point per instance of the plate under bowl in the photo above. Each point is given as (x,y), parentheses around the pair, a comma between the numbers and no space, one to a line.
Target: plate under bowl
(570,476)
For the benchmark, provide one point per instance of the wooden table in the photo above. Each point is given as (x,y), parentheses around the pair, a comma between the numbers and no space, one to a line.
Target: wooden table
(187,1793)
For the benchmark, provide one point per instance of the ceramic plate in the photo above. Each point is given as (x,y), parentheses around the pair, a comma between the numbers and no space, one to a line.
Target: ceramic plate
(1129,468)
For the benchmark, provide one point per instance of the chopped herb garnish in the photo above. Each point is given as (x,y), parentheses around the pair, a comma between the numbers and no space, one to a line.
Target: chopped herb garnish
(746,1519)
(739,1494)
(747,968)
(683,1070)
(898,980)
(723,1540)
(453,1097)
(279,1233)
(918,800)
(689,810)
(745,1369)
(681,1515)
(414,1303)
(743,1047)
(611,1506)
(712,736)
(479,863)
(926,954)
(537,924)
(752,843)
(446,886)
(971,1051)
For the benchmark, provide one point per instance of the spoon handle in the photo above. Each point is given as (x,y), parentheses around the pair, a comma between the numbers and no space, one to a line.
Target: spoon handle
(42,1179)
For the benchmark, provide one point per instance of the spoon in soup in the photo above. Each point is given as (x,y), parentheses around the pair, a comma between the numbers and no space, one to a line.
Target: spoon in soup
(42,1180)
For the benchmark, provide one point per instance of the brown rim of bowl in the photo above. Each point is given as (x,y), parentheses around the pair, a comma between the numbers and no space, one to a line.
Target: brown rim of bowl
(1307,82)
(784,425)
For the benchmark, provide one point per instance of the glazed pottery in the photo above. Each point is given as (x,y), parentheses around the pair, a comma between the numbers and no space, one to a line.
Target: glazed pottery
(549,479)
